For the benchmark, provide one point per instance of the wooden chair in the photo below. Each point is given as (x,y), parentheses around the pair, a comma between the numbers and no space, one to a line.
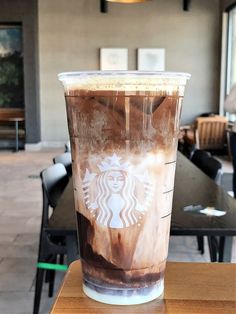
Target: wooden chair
(210,132)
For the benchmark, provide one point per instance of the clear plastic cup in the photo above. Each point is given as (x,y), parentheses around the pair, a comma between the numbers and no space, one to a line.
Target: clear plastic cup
(124,131)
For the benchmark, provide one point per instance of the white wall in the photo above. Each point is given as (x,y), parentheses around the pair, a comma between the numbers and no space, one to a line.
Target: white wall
(71,33)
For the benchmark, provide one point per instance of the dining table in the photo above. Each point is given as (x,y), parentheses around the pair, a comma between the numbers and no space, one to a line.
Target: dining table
(193,190)
(15,116)
(190,288)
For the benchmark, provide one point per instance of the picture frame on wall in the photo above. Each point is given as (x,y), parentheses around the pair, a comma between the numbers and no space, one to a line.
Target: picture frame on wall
(114,59)
(151,59)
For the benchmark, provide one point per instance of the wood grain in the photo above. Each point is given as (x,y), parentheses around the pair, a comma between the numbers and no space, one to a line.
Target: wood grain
(189,288)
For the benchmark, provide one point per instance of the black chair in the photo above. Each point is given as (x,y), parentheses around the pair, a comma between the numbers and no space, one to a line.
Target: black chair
(208,164)
(213,169)
(64,159)
(67,147)
(199,156)
(52,243)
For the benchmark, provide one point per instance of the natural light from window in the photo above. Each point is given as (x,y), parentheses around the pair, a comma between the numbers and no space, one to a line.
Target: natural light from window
(231,56)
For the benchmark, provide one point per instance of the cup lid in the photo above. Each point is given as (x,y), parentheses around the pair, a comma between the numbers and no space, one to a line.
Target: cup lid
(123,80)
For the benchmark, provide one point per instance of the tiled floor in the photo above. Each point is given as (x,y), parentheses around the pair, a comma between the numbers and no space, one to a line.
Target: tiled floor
(20,214)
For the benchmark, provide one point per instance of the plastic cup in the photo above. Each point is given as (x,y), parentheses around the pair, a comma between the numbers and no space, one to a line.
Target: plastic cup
(123,130)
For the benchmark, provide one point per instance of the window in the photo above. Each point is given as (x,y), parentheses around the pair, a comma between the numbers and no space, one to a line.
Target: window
(231,56)
(11,66)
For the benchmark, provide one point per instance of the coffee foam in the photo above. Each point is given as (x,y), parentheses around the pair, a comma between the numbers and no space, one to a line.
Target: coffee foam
(162,82)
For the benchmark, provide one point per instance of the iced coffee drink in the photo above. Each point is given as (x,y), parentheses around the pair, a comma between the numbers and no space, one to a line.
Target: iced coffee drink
(123,130)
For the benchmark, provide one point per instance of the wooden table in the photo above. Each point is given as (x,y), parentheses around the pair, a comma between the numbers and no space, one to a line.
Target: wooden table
(189,288)
(193,187)
(16,121)
(15,116)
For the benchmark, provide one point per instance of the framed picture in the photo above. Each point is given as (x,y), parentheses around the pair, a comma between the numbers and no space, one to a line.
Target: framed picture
(152,59)
(114,59)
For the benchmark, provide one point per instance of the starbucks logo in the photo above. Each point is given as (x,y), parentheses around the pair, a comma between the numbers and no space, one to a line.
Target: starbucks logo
(117,196)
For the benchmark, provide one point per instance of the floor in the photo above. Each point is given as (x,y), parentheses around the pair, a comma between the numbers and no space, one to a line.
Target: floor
(20,214)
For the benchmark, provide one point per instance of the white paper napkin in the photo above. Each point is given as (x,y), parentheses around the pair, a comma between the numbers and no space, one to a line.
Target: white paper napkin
(211,211)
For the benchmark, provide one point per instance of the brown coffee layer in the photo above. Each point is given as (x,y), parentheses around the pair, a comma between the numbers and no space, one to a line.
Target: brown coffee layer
(99,271)
(99,119)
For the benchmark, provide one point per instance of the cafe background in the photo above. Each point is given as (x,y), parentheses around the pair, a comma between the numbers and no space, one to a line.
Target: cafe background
(59,35)
(63,36)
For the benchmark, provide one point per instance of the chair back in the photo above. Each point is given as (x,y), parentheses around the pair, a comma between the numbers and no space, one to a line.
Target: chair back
(54,180)
(199,156)
(67,147)
(211,132)
(66,160)
(208,164)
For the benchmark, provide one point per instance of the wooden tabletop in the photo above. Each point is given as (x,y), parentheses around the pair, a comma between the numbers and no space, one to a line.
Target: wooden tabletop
(189,288)
(12,114)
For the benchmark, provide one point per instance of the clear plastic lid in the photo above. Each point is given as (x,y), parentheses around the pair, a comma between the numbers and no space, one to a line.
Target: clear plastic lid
(123,80)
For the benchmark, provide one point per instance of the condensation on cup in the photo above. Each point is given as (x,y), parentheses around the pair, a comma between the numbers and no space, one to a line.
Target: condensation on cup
(123,130)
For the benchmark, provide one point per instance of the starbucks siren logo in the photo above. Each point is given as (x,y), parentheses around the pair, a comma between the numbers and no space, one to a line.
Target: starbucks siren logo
(111,195)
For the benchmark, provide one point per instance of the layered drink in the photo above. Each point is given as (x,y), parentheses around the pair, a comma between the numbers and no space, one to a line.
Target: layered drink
(123,130)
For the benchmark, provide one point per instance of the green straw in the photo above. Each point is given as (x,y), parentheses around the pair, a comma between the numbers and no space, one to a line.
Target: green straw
(52,266)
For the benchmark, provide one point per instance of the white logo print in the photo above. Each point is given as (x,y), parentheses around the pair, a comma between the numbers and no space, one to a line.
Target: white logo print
(116,197)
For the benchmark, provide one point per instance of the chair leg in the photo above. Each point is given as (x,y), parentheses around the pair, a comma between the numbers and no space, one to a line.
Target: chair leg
(200,242)
(51,282)
(213,248)
(51,277)
(61,259)
(38,290)
(42,257)
(221,249)
(47,276)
